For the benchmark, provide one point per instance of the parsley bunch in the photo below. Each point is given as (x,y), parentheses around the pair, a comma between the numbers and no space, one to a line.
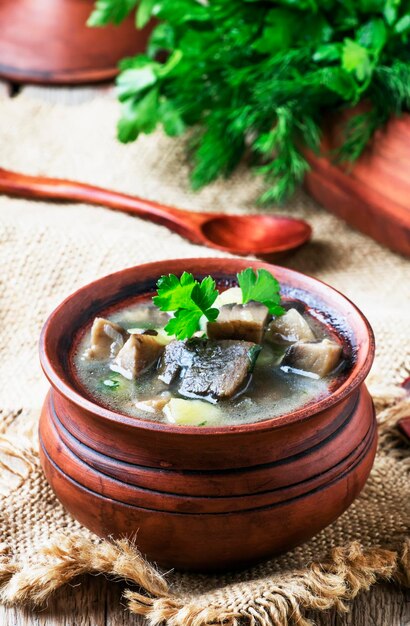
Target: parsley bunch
(254,78)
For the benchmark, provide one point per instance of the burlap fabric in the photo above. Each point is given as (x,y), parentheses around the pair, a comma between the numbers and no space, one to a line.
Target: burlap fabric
(48,250)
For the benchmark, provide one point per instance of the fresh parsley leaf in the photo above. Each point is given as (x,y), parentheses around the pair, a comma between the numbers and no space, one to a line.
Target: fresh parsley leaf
(107,11)
(280,31)
(327,52)
(373,35)
(109,384)
(204,295)
(403,25)
(135,80)
(356,59)
(174,292)
(144,13)
(341,82)
(171,119)
(390,11)
(138,117)
(189,300)
(262,287)
(184,323)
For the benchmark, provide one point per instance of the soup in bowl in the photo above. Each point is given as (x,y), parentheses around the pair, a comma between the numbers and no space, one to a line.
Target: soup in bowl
(188,394)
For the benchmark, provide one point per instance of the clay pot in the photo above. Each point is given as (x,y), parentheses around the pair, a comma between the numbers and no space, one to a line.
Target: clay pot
(372,195)
(47,41)
(208,498)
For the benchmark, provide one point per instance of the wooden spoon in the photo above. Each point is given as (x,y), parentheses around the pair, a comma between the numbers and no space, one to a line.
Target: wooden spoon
(263,235)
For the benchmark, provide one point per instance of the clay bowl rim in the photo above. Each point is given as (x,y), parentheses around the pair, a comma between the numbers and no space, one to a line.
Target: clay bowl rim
(356,377)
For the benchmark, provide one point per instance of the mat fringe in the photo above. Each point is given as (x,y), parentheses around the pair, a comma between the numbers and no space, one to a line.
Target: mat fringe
(69,556)
(13,448)
(349,570)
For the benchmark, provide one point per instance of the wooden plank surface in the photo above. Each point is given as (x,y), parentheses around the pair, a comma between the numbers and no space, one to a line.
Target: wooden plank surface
(95,601)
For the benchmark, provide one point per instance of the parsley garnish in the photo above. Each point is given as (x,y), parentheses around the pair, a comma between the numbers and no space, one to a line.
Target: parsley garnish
(189,300)
(109,384)
(262,287)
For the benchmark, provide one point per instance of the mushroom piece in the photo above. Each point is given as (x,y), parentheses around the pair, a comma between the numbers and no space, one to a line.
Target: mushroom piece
(153,405)
(240,321)
(319,357)
(177,357)
(209,369)
(289,328)
(139,353)
(107,339)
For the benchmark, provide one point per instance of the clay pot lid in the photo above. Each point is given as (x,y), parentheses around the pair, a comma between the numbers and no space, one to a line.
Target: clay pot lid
(96,291)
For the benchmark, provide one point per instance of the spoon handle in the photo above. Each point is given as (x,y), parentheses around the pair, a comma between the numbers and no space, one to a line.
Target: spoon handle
(42,188)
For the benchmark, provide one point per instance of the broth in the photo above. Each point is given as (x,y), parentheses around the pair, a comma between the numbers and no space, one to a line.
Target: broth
(271,389)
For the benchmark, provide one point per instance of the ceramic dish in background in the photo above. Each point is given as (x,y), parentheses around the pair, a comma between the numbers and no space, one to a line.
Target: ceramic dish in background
(206,498)
(49,42)
(371,194)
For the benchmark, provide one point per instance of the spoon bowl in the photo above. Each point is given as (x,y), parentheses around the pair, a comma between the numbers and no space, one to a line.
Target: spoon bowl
(261,235)
(255,234)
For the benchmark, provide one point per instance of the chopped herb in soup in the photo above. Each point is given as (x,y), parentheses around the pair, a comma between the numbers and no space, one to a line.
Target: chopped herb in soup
(192,356)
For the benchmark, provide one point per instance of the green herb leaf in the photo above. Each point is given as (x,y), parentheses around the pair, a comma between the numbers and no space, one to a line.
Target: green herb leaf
(328,52)
(138,117)
(182,11)
(281,29)
(162,40)
(184,323)
(368,6)
(144,12)
(403,25)
(171,119)
(262,287)
(110,384)
(355,59)
(132,81)
(341,82)
(390,11)
(174,292)
(373,35)
(189,300)
(110,11)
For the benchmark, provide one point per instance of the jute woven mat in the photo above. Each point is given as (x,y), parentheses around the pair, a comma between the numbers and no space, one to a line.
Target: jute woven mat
(48,250)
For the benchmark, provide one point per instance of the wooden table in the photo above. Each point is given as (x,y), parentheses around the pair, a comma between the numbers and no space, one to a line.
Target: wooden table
(95,601)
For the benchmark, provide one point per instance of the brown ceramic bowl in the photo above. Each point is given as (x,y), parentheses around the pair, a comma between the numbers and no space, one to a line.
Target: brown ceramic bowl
(208,498)
(371,194)
(49,42)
